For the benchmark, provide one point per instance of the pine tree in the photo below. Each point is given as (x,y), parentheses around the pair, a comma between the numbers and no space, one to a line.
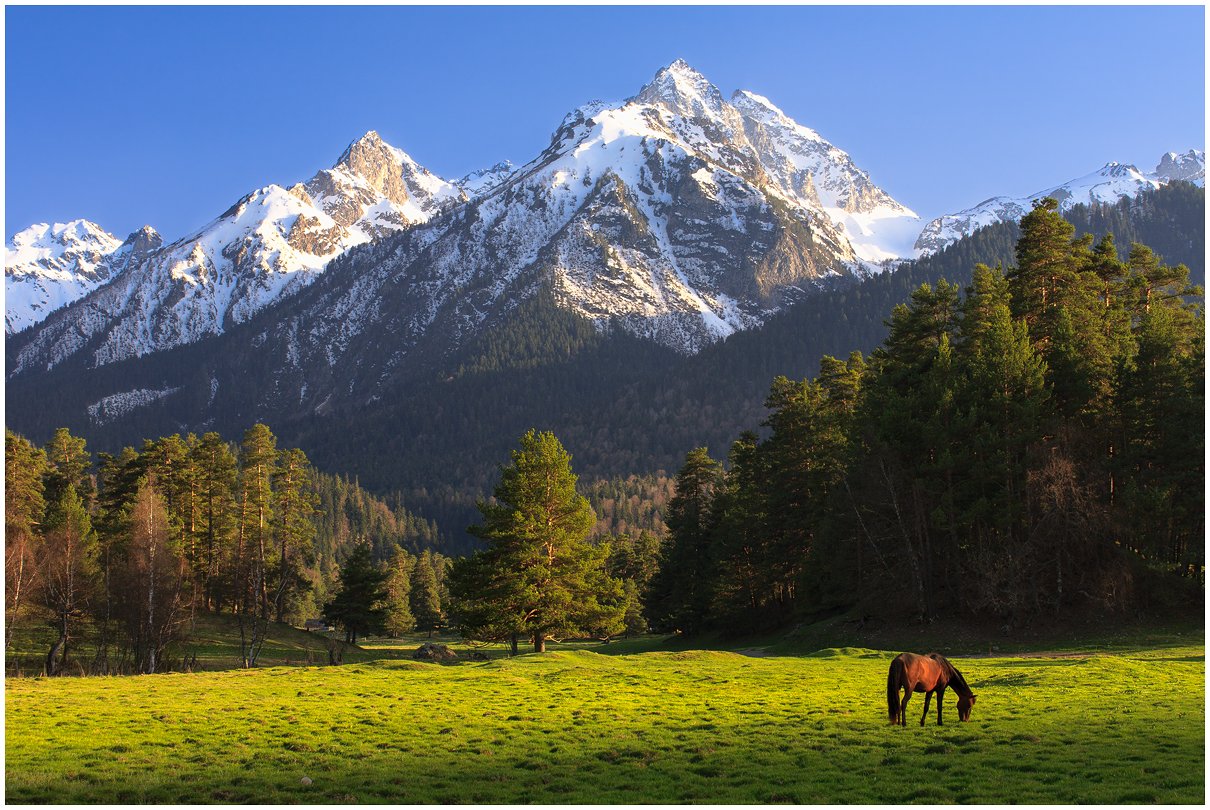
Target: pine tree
(294,506)
(399,618)
(119,482)
(67,571)
(358,606)
(551,579)
(743,554)
(257,465)
(69,463)
(682,590)
(426,595)
(216,466)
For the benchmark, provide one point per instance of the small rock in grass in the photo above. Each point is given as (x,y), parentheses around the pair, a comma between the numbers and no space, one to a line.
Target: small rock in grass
(306,780)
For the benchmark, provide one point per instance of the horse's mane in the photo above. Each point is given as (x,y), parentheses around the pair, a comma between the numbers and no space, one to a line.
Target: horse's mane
(952,675)
(955,677)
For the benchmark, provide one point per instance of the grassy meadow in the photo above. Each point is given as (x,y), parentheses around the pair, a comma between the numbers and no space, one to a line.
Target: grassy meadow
(576,726)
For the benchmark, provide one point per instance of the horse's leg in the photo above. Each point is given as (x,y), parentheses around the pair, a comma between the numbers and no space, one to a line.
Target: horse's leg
(907,695)
(927,697)
(940,695)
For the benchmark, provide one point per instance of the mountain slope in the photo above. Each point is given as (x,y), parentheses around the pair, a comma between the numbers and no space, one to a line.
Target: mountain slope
(1110,183)
(814,173)
(655,217)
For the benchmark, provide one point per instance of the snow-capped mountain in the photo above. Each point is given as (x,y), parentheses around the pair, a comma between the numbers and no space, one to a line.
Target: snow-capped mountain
(1189,166)
(656,215)
(50,266)
(1110,183)
(675,215)
(271,243)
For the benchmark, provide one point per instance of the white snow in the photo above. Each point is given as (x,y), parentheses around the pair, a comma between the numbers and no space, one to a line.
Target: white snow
(113,406)
(50,266)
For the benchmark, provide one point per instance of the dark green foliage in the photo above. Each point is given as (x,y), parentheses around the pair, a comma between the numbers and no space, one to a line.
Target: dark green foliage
(681,590)
(358,606)
(622,405)
(427,605)
(398,601)
(634,560)
(24,511)
(239,535)
(1033,447)
(538,575)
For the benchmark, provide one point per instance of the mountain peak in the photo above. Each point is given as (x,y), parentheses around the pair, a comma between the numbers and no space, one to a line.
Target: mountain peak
(370,146)
(144,240)
(682,89)
(1189,166)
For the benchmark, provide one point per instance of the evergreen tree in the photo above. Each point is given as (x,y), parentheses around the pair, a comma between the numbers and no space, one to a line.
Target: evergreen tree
(119,482)
(399,619)
(67,571)
(257,465)
(742,551)
(426,595)
(681,591)
(358,606)
(216,466)
(536,534)
(294,504)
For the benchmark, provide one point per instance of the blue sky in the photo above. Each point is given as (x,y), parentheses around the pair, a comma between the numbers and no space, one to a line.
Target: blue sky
(166,116)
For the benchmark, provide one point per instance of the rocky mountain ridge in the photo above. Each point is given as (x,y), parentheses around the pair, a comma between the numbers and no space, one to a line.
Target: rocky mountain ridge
(1110,183)
(271,243)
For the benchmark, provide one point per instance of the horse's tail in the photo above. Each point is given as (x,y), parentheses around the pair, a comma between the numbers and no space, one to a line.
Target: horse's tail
(893,679)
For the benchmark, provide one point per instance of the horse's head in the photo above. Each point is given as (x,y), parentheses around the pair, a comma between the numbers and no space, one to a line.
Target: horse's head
(964,707)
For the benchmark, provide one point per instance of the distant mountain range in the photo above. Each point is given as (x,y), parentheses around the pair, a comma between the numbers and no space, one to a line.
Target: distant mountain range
(1110,183)
(677,215)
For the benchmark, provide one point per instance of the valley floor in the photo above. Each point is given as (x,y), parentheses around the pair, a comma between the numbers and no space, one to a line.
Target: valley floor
(576,726)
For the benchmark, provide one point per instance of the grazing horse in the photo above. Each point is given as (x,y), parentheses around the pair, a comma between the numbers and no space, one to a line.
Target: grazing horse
(925,673)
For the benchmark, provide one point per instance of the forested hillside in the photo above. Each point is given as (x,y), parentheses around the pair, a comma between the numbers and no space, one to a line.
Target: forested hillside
(1030,446)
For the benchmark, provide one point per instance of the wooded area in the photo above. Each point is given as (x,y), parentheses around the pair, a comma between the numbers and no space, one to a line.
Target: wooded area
(1034,445)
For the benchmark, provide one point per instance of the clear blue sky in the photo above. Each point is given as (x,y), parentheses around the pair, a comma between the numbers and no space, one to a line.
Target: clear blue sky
(166,116)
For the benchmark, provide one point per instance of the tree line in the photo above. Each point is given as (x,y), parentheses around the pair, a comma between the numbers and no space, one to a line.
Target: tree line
(124,553)
(1032,445)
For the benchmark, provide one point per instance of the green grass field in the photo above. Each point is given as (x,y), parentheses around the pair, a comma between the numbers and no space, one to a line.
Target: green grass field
(577,726)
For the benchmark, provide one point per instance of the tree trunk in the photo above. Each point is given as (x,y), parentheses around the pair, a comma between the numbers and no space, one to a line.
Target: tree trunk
(539,642)
(52,658)
(513,642)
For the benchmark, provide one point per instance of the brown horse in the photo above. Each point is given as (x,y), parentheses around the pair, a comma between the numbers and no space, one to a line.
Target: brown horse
(929,674)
